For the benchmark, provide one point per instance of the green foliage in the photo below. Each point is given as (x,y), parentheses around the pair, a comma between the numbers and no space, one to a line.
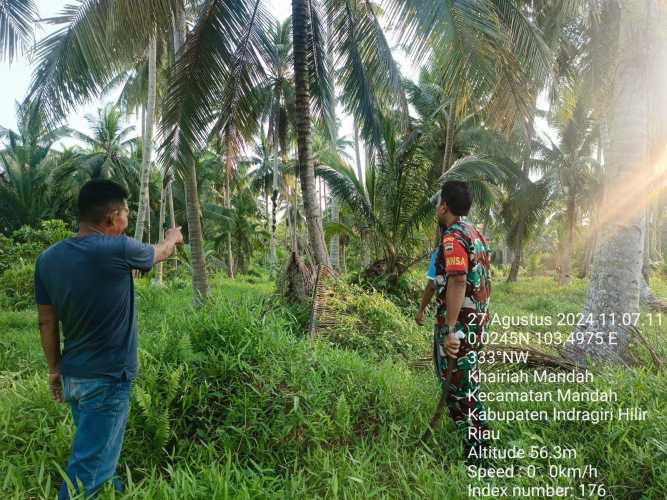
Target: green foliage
(26,243)
(18,286)
(371,324)
(232,402)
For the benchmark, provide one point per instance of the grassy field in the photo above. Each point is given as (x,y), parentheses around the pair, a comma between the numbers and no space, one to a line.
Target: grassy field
(235,402)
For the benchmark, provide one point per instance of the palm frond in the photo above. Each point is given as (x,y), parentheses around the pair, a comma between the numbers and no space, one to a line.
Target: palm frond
(16,27)
(226,32)
(96,40)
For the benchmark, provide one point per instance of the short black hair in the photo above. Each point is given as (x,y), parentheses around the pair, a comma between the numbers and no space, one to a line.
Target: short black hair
(97,197)
(457,196)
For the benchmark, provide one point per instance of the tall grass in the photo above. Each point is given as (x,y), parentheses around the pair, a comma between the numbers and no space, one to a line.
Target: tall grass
(234,402)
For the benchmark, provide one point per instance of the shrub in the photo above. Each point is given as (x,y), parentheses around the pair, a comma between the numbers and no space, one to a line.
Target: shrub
(27,243)
(17,284)
(369,323)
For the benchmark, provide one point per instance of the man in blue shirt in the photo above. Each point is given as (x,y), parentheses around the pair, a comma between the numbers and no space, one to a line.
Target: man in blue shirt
(84,285)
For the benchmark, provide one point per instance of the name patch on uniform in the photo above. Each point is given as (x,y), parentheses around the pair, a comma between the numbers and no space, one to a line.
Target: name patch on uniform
(455,260)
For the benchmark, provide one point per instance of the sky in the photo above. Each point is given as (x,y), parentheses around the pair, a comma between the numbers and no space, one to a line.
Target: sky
(17,76)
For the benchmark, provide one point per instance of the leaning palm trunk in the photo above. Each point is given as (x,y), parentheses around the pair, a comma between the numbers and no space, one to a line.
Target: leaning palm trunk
(147,139)
(300,29)
(617,265)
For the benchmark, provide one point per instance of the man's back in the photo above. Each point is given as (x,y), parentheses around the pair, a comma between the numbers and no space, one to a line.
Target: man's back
(88,281)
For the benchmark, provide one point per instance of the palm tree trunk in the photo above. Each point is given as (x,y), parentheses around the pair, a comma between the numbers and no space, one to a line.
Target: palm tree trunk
(300,30)
(360,174)
(334,242)
(172,214)
(228,205)
(148,139)
(192,209)
(449,139)
(517,252)
(357,155)
(568,237)
(617,264)
(160,267)
(199,278)
(273,258)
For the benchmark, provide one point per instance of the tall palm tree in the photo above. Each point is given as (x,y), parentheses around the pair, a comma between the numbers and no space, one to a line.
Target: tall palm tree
(571,159)
(147,138)
(17,18)
(102,39)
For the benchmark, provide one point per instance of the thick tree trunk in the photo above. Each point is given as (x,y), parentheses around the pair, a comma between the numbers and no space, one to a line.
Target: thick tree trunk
(147,139)
(568,238)
(617,266)
(517,253)
(300,29)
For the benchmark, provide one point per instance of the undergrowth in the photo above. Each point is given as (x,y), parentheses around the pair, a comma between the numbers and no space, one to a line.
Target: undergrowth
(233,401)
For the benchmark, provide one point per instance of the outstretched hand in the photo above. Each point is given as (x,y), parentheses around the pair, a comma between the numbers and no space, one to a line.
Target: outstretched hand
(56,387)
(175,235)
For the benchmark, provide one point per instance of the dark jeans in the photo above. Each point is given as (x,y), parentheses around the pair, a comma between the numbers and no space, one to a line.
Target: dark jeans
(99,409)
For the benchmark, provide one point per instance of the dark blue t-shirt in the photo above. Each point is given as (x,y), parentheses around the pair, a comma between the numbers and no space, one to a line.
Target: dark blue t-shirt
(88,281)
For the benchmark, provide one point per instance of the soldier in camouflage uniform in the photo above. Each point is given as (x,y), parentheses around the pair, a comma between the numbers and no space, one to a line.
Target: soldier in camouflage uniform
(463,286)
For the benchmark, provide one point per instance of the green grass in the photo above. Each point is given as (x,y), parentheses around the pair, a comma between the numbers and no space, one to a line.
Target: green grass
(235,402)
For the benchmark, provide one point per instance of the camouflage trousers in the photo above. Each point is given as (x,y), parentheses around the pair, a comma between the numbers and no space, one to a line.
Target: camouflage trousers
(462,402)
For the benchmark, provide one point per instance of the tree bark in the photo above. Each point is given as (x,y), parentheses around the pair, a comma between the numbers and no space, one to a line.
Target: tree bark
(517,253)
(617,265)
(229,165)
(198,262)
(172,214)
(300,30)
(192,208)
(334,242)
(449,139)
(147,139)
(568,237)
(160,267)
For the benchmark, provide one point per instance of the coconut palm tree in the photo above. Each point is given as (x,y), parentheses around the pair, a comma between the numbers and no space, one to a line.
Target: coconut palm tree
(397,201)
(17,19)
(617,264)
(102,40)
(109,152)
(571,159)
